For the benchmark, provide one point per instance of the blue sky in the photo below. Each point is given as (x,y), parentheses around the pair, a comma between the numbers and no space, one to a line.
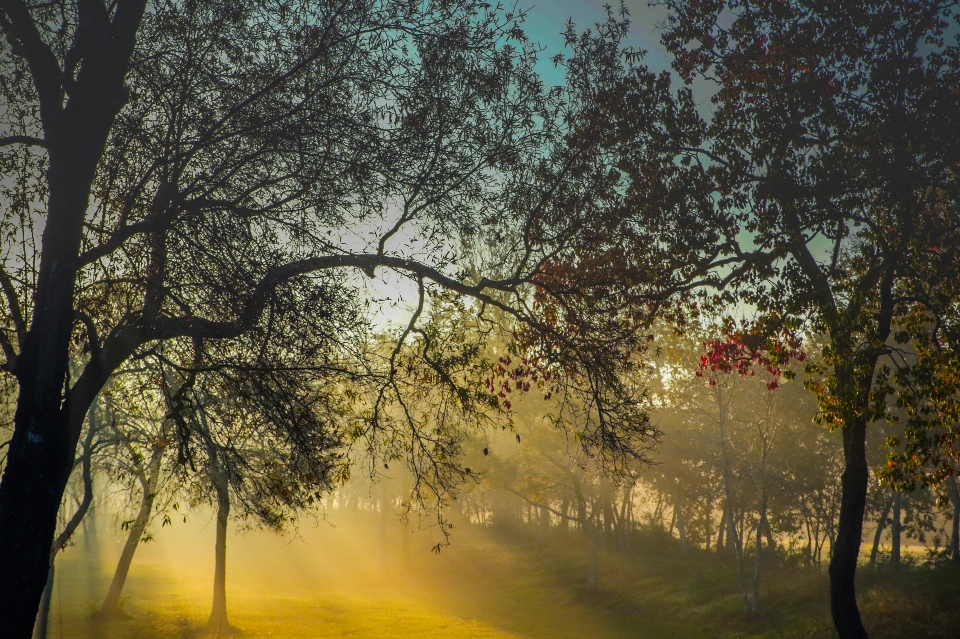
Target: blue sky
(547,19)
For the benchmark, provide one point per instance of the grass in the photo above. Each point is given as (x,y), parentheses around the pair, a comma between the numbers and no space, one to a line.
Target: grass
(326,582)
(320,616)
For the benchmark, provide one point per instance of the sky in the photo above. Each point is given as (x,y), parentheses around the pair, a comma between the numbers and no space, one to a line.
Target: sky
(546,20)
(393,297)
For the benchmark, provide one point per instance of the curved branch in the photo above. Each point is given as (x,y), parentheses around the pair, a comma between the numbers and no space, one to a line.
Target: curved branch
(10,140)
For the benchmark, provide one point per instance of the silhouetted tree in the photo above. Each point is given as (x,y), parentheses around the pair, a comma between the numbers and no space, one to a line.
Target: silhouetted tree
(224,171)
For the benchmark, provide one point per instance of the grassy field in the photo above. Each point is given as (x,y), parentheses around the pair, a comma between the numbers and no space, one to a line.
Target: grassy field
(326,581)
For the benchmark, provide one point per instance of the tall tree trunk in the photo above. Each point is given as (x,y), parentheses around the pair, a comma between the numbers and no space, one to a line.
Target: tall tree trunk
(733,537)
(149,478)
(955,528)
(771,541)
(878,535)
(681,523)
(46,427)
(896,528)
(708,520)
(623,520)
(758,558)
(405,546)
(382,528)
(218,614)
(587,528)
(592,559)
(543,528)
(846,551)
(43,614)
(721,541)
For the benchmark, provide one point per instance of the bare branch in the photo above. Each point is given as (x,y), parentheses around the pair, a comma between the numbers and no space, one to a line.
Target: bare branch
(6,283)
(25,39)
(10,140)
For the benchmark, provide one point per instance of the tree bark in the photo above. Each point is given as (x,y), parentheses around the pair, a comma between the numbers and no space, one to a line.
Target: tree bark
(43,614)
(843,561)
(878,536)
(218,614)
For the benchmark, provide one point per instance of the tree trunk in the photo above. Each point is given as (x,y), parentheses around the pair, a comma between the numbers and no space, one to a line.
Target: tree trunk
(681,523)
(588,529)
(543,528)
(382,549)
(708,520)
(218,614)
(955,529)
(38,465)
(43,614)
(771,542)
(721,542)
(47,428)
(592,540)
(846,552)
(148,483)
(878,536)
(896,528)
(758,559)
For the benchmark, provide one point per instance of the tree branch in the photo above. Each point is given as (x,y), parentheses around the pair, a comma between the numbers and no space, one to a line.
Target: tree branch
(539,505)
(26,41)
(10,140)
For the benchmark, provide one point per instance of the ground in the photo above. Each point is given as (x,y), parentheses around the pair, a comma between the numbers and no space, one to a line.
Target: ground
(328,580)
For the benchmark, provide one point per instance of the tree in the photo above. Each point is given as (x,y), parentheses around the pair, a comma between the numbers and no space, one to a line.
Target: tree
(92,441)
(143,432)
(221,172)
(820,190)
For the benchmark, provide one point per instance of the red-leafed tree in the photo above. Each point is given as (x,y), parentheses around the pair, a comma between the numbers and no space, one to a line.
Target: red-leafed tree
(833,143)
(819,188)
